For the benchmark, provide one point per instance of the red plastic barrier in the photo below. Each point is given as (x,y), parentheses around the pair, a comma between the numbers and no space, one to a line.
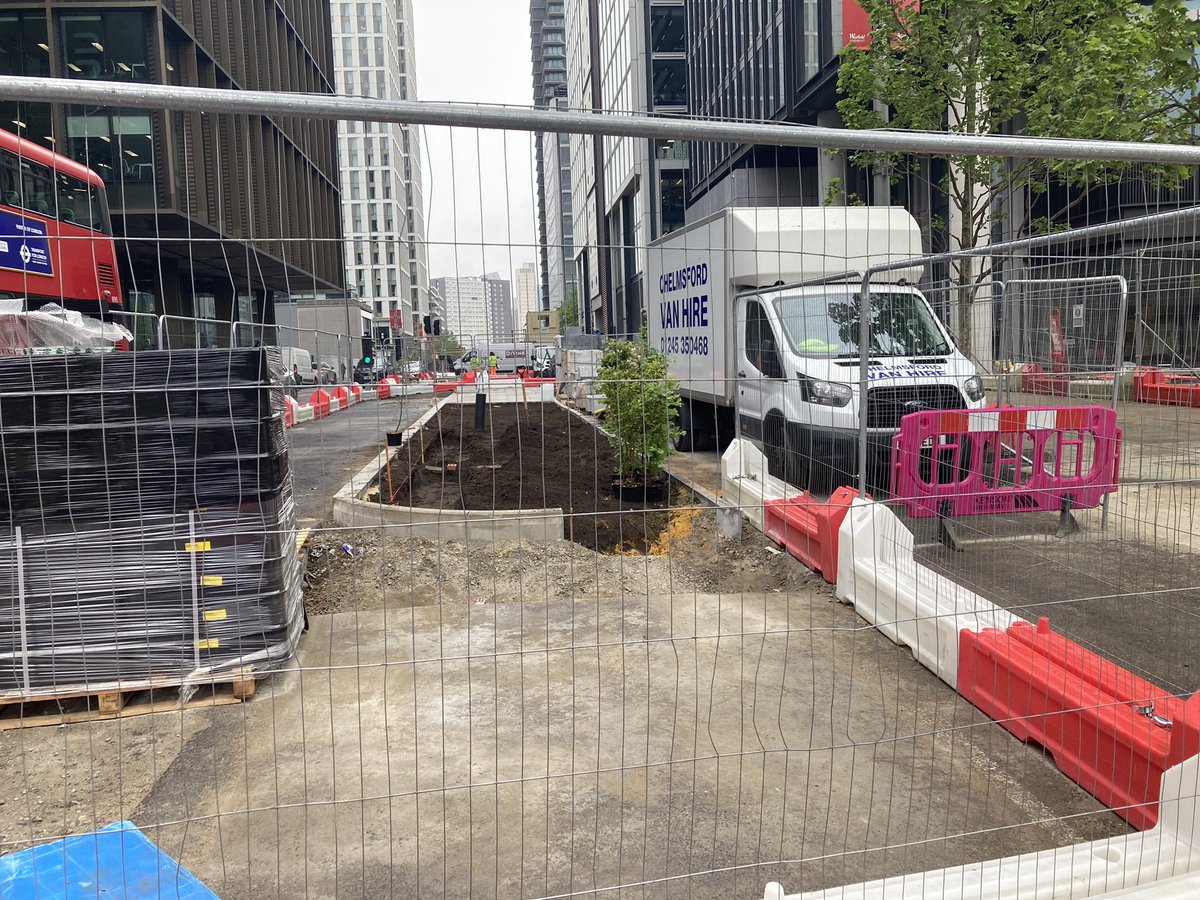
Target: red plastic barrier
(341,396)
(320,403)
(356,390)
(1110,731)
(1035,380)
(984,461)
(448,387)
(289,411)
(1152,385)
(808,528)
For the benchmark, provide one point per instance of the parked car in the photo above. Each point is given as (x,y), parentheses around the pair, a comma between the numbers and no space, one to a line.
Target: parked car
(324,373)
(369,373)
(297,366)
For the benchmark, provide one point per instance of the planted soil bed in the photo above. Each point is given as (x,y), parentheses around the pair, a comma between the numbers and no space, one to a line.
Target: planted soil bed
(529,458)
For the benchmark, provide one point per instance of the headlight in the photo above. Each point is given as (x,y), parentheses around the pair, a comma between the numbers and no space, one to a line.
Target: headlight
(973,387)
(825,393)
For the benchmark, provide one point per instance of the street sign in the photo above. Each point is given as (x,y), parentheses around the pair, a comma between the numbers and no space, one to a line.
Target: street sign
(1077,312)
(397,320)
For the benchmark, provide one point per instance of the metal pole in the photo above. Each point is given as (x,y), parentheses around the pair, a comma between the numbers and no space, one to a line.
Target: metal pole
(864,372)
(327,106)
(195,578)
(1122,312)
(20,548)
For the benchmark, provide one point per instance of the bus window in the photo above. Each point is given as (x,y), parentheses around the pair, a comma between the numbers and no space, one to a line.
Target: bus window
(25,184)
(79,203)
(10,184)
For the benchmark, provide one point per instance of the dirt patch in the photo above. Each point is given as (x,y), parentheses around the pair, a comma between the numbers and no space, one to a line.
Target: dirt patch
(690,554)
(538,456)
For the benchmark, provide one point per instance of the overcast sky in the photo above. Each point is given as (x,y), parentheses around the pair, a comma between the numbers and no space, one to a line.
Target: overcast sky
(476,51)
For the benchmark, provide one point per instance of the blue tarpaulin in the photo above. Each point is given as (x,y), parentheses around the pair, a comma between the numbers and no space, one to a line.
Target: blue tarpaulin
(115,863)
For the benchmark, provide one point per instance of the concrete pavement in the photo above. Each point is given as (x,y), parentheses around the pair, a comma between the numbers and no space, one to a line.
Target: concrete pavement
(324,453)
(538,748)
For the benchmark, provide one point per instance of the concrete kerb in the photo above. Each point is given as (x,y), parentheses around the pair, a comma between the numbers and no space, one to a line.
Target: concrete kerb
(350,509)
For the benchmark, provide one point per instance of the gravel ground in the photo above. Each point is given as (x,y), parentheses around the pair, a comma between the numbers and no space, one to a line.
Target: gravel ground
(392,572)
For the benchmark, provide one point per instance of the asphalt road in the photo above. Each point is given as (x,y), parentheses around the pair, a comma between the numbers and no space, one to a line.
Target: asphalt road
(325,453)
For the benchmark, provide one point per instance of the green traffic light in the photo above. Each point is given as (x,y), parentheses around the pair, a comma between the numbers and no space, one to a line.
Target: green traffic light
(367,360)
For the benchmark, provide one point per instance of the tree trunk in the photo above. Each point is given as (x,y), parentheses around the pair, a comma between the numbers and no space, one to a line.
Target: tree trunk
(966,266)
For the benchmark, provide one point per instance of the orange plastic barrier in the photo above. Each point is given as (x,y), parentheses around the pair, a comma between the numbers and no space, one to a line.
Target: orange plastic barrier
(1036,380)
(320,403)
(1152,385)
(808,528)
(289,412)
(342,396)
(356,390)
(1110,731)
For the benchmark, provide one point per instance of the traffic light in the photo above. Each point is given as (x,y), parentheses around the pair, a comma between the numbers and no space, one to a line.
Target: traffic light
(368,350)
(428,326)
(437,327)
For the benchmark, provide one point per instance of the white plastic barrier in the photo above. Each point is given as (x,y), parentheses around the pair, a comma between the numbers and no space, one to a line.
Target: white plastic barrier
(907,602)
(304,413)
(1162,863)
(746,483)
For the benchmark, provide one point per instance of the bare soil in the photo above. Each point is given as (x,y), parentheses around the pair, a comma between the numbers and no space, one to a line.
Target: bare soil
(538,456)
(688,555)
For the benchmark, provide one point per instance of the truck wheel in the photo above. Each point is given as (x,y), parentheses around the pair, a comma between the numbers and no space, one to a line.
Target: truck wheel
(784,458)
(696,436)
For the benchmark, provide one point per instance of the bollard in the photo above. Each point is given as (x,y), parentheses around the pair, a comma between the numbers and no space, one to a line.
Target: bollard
(480,409)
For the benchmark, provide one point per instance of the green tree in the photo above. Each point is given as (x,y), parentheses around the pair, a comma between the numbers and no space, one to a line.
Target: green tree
(447,344)
(1099,69)
(641,406)
(568,313)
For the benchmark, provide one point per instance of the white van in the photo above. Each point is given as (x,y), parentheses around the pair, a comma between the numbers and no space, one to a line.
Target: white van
(302,360)
(510,357)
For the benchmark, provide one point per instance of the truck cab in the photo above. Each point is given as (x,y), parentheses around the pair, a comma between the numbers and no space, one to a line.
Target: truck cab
(798,375)
(757,310)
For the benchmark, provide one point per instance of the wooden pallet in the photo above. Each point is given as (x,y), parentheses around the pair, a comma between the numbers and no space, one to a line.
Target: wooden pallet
(74,706)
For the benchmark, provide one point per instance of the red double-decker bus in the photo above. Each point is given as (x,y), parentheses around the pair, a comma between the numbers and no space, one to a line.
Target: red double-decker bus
(56,240)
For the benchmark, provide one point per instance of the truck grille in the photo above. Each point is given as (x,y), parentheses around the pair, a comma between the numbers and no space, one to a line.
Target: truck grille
(886,406)
(104,274)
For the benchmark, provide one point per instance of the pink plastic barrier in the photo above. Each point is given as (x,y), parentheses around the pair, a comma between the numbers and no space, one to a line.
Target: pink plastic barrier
(1005,460)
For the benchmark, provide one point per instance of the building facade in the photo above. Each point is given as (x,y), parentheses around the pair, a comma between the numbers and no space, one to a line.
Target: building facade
(215,215)
(476,307)
(382,202)
(527,296)
(624,56)
(556,236)
(330,327)
(777,61)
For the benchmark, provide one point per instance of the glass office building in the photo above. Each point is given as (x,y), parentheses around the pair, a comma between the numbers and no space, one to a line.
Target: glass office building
(214,214)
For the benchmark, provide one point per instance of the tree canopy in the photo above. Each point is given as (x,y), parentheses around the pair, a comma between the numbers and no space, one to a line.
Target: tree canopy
(1096,69)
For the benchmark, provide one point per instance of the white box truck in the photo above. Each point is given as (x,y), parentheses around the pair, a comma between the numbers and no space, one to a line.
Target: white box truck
(762,352)
(510,357)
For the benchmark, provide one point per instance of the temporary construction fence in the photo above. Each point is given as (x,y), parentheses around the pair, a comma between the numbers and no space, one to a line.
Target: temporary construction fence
(762,672)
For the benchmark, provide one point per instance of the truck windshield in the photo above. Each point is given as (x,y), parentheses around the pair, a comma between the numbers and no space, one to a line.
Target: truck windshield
(827,325)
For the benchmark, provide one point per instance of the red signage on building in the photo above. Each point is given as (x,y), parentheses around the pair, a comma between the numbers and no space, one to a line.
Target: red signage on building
(397,320)
(856,28)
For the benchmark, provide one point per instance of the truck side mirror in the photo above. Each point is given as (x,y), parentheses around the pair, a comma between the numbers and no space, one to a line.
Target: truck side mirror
(770,366)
